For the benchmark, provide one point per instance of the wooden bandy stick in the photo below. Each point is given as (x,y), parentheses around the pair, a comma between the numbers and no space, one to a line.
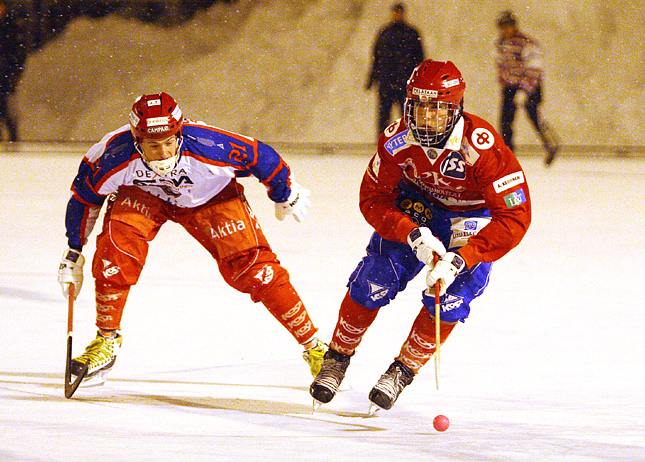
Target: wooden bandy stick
(437,323)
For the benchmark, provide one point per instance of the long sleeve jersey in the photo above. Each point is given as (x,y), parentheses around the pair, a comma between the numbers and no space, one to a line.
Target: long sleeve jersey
(474,170)
(209,160)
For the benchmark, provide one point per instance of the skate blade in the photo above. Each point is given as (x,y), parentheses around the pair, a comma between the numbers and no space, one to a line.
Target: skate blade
(95,381)
(316,405)
(373,410)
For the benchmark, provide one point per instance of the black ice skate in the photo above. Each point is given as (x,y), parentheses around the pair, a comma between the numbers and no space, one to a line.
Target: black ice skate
(550,140)
(325,385)
(391,384)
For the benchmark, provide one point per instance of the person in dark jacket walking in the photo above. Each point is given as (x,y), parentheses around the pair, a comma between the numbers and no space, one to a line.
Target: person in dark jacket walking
(397,51)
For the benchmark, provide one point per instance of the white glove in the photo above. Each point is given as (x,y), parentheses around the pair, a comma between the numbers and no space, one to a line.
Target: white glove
(445,271)
(70,271)
(296,205)
(425,245)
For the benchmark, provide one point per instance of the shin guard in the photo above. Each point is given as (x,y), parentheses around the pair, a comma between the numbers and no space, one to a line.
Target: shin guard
(110,301)
(353,321)
(421,342)
(284,303)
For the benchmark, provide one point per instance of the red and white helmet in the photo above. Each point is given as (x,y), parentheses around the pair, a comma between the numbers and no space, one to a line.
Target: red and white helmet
(434,85)
(155,116)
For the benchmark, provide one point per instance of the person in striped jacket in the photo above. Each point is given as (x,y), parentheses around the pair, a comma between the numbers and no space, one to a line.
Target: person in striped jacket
(520,68)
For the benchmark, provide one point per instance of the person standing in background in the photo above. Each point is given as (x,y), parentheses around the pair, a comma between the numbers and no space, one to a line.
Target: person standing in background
(13,54)
(397,51)
(520,68)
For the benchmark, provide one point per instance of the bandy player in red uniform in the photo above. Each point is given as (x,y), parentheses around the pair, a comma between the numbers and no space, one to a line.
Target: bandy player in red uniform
(159,168)
(442,182)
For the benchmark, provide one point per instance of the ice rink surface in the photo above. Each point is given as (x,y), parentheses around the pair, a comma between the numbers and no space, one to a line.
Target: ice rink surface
(549,367)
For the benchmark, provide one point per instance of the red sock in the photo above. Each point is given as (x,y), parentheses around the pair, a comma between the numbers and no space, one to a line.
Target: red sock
(285,305)
(420,344)
(110,302)
(353,321)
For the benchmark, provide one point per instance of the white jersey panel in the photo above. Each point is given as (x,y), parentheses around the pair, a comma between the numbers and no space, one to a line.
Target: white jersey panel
(192,182)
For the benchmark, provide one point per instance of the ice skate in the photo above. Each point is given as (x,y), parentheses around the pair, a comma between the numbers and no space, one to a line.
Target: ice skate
(550,141)
(314,357)
(99,357)
(325,385)
(391,384)
(552,151)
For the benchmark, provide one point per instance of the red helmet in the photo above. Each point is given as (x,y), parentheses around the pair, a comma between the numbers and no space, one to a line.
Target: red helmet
(435,88)
(155,116)
(436,81)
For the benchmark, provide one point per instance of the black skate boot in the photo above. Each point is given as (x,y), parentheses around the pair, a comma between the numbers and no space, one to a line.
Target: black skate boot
(325,385)
(391,384)
(552,151)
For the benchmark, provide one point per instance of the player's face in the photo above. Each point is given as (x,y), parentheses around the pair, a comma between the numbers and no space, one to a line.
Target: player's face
(432,116)
(159,149)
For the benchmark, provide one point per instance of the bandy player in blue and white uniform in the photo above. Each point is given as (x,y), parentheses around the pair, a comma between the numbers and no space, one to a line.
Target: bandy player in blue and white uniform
(161,167)
(442,182)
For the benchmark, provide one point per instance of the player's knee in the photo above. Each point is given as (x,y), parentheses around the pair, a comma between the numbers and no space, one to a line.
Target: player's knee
(453,307)
(374,283)
(254,276)
(118,261)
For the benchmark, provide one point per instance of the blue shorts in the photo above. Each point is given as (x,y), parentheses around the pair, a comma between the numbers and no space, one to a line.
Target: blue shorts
(389,266)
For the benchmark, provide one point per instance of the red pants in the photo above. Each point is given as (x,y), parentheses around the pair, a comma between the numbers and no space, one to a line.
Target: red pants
(225,226)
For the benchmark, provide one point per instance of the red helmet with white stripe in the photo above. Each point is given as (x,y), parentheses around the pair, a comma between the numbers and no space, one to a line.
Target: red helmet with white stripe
(155,116)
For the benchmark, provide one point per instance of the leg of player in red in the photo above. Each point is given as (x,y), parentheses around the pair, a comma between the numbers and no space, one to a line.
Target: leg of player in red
(248,264)
(353,322)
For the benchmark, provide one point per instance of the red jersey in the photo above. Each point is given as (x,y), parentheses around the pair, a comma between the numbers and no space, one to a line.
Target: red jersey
(474,170)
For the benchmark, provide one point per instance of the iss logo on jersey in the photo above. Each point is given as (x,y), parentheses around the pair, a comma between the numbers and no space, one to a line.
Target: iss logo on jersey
(454,166)
(515,198)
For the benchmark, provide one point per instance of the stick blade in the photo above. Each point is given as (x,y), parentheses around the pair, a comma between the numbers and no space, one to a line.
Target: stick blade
(72,384)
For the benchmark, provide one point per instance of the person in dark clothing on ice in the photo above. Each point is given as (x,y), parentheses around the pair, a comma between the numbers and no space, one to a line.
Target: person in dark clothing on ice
(13,54)
(397,51)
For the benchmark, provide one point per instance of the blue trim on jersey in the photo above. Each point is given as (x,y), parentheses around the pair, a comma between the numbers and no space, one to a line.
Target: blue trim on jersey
(249,156)
(75,215)
(118,151)
(246,155)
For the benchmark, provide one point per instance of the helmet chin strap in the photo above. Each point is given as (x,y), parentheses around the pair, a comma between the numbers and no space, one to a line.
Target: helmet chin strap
(162,167)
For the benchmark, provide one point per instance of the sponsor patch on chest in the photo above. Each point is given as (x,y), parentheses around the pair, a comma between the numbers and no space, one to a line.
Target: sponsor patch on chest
(454,166)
